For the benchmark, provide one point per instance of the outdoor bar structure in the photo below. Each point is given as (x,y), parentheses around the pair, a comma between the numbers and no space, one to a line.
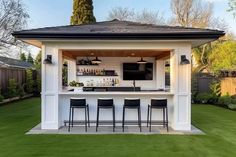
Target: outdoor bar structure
(102,57)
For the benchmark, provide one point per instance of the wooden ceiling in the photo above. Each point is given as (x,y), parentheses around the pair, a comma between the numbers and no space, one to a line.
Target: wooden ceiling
(117,53)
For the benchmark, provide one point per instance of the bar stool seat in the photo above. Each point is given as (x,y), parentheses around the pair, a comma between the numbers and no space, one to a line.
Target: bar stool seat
(78,103)
(157,103)
(132,103)
(105,103)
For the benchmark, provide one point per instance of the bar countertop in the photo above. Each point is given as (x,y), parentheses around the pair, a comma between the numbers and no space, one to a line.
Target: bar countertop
(146,92)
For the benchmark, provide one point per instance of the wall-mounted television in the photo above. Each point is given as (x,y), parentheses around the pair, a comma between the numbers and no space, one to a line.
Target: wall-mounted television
(135,71)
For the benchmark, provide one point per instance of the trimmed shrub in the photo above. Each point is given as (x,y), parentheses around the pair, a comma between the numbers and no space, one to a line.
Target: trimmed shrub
(232,106)
(1,98)
(205,98)
(225,100)
(29,81)
(12,88)
(21,91)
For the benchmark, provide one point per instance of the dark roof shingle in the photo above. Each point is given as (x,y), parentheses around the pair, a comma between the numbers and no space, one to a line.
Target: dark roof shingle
(14,63)
(118,29)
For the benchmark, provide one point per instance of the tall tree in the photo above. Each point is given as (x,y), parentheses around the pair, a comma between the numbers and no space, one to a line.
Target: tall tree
(232,7)
(149,17)
(121,13)
(223,57)
(82,12)
(13,17)
(38,61)
(144,16)
(22,56)
(191,13)
(30,58)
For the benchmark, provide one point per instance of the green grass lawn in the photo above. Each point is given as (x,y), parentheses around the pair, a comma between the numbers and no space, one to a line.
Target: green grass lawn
(17,118)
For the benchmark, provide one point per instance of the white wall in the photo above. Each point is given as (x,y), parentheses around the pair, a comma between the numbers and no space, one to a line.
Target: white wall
(116,63)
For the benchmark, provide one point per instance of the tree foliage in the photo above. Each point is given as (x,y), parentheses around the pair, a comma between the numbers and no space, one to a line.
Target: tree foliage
(29,81)
(223,57)
(12,88)
(82,12)
(38,61)
(30,59)
(232,7)
(22,56)
(13,17)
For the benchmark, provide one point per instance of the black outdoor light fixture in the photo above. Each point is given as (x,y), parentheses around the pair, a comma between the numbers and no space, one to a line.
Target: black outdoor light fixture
(48,60)
(167,64)
(141,61)
(96,61)
(184,60)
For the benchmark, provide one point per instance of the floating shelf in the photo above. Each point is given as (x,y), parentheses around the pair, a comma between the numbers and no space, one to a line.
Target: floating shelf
(99,75)
(87,64)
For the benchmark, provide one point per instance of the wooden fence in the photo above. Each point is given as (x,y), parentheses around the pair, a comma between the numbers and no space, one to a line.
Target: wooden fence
(228,85)
(9,73)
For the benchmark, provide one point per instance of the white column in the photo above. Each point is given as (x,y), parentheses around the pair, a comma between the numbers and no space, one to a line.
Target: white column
(181,87)
(51,84)
(160,74)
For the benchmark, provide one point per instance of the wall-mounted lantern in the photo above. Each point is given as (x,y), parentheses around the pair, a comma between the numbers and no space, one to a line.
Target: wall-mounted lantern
(48,60)
(184,60)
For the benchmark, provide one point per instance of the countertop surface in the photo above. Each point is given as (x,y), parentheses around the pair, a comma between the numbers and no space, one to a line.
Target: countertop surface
(143,92)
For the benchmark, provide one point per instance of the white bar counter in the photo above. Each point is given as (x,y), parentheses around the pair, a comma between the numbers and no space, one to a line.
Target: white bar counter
(118,97)
(117,93)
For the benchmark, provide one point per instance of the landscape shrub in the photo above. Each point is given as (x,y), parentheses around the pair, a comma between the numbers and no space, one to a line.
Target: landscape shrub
(215,88)
(225,100)
(232,106)
(1,98)
(12,88)
(29,81)
(20,91)
(205,98)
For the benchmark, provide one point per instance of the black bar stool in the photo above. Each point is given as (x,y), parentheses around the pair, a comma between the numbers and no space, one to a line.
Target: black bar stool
(78,103)
(132,104)
(105,103)
(158,104)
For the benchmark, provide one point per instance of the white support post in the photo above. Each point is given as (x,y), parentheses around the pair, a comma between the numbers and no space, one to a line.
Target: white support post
(160,74)
(51,84)
(181,87)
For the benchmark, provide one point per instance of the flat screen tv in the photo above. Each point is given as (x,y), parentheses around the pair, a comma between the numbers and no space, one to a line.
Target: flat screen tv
(134,71)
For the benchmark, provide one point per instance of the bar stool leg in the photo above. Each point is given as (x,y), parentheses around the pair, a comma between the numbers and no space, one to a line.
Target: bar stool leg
(85,113)
(148,115)
(123,119)
(113,113)
(164,117)
(139,119)
(72,117)
(69,120)
(97,119)
(150,127)
(167,119)
(88,115)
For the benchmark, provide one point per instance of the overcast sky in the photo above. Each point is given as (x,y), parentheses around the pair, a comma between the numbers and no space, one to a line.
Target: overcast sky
(46,13)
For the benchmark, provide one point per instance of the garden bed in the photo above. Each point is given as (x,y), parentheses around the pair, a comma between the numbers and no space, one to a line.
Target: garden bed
(9,100)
